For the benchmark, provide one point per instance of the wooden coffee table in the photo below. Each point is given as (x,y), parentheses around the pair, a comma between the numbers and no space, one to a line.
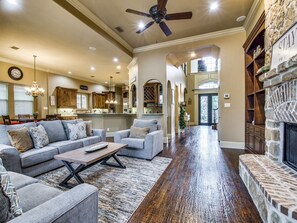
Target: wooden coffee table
(86,160)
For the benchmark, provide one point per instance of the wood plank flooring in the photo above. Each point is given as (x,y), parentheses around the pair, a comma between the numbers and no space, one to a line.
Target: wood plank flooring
(200,185)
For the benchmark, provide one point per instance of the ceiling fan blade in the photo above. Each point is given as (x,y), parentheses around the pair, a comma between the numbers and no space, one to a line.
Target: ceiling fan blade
(165,28)
(181,15)
(161,5)
(138,12)
(146,26)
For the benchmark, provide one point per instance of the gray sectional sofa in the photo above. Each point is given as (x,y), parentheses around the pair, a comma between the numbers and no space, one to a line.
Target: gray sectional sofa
(42,204)
(37,161)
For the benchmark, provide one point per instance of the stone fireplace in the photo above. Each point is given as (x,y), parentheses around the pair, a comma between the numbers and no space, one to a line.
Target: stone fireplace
(272,183)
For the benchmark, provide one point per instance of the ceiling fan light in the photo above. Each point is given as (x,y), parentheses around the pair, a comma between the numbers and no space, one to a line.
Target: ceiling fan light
(214,6)
(141,25)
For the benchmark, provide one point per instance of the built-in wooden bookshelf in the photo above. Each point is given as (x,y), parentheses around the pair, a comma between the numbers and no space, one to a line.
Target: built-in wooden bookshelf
(255,94)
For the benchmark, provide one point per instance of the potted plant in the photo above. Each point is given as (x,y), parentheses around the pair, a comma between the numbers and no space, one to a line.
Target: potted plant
(35,115)
(182,122)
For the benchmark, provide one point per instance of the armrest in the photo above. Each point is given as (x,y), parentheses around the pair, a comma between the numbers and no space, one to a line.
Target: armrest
(101,133)
(119,135)
(80,204)
(154,142)
(10,158)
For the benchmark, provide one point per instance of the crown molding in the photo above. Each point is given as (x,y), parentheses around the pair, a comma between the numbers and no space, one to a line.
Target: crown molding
(17,63)
(190,39)
(255,6)
(82,13)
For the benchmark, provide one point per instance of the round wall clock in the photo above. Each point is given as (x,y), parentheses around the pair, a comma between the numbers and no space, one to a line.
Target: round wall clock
(15,73)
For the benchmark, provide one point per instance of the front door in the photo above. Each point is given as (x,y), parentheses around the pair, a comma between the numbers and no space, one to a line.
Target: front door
(208,109)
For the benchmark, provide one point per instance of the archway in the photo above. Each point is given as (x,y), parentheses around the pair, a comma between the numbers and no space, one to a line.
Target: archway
(169,109)
(152,97)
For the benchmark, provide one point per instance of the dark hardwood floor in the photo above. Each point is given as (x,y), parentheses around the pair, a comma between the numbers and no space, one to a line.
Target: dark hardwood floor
(201,184)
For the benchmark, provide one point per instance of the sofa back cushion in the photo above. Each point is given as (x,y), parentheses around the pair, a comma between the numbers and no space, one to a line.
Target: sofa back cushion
(54,130)
(65,126)
(4,139)
(151,124)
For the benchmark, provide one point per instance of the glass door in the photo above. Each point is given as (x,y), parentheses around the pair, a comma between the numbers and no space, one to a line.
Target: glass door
(208,109)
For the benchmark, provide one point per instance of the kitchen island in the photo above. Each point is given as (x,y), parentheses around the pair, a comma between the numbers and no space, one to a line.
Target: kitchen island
(111,122)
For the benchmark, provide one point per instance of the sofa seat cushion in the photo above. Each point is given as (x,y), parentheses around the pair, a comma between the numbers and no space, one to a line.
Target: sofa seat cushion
(36,194)
(20,180)
(133,143)
(36,156)
(90,140)
(67,145)
(55,130)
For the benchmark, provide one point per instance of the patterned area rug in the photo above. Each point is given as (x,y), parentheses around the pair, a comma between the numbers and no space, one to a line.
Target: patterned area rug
(120,190)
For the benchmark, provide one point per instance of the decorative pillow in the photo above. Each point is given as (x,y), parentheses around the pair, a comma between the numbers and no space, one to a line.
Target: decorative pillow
(89,127)
(8,191)
(77,131)
(138,133)
(39,136)
(152,124)
(20,139)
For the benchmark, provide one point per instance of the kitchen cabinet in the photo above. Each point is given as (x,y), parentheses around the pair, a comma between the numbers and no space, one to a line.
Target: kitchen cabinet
(98,100)
(66,97)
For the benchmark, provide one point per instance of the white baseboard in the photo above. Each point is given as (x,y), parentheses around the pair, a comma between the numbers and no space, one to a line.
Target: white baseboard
(165,140)
(231,145)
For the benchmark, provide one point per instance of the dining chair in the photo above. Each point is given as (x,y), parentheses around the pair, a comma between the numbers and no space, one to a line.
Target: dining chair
(51,117)
(6,120)
(24,117)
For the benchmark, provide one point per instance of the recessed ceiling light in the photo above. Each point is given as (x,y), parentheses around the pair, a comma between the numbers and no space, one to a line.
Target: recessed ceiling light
(141,25)
(115,59)
(214,6)
(69,72)
(13,2)
(92,68)
(105,82)
(118,67)
(193,54)
(241,18)
(92,48)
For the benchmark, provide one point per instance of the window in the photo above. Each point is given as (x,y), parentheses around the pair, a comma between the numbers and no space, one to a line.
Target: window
(3,99)
(23,104)
(82,101)
(208,85)
(205,64)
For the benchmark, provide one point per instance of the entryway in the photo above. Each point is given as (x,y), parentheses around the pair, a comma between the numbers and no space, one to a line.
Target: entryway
(208,109)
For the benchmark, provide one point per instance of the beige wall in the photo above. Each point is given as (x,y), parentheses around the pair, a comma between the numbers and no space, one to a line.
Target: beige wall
(231,78)
(46,80)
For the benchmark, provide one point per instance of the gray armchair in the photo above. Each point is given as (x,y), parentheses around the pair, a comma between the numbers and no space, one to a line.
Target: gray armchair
(146,148)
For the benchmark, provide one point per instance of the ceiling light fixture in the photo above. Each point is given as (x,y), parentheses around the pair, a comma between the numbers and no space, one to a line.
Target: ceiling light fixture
(110,94)
(92,68)
(241,18)
(214,6)
(34,90)
(13,2)
(141,25)
(69,72)
(115,59)
(193,54)
(119,67)
(92,48)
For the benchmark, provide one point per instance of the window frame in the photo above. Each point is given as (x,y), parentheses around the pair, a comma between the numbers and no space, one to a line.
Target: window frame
(19,100)
(80,94)
(5,100)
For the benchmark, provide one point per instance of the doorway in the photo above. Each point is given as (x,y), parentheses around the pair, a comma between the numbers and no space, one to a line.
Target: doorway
(208,109)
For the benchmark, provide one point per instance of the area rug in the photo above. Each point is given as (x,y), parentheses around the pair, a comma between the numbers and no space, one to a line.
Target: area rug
(120,190)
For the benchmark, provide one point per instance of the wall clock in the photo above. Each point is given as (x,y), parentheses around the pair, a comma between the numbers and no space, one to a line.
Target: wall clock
(15,73)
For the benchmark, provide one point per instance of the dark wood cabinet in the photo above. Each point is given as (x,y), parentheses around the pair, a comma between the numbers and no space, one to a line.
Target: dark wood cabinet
(98,100)
(152,92)
(66,97)
(254,93)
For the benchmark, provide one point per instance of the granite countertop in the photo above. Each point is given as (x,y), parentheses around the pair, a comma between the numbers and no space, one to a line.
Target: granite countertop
(153,114)
(106,114)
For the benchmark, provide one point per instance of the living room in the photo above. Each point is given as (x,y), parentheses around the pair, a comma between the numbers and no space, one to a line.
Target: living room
(156,111)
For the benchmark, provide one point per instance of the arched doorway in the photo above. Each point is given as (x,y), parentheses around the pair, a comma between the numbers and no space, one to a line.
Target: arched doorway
(169,109)
(152,97)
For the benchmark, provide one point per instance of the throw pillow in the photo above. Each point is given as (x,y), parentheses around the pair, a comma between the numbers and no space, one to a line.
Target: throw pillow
(20,139)
(8,191)
(39,136)
(89,128)
(138,133)
(77,131)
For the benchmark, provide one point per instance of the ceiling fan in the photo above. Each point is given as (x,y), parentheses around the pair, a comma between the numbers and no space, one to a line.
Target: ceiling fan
(158,13)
